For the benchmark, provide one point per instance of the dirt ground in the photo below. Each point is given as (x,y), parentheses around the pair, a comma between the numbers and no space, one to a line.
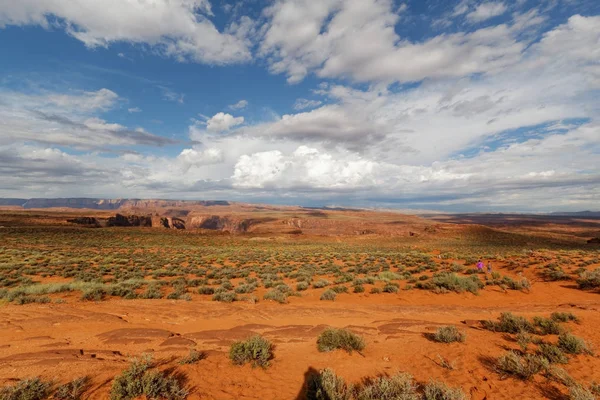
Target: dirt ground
(63,341)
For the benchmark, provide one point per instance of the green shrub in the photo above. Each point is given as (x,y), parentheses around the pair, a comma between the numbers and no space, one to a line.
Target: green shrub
(552,353)
(547,326)
(129,384)
(589,279)
(390,288)
(358,288)
(93,294)
(276,295)
(455,283)
(321,283)
(448,334)
(27,389)
(328,295)
(206,290)
(509,323)
(245,288)
(375,290)
(523,367)
(256,350)
(300,286)
(399,386)
(225,297)
(572,344)
(328,386)
(564,317)
(156,385)
(440,391)
(524,339)
(193,357)
(578,392)
(72,390)
(333,338)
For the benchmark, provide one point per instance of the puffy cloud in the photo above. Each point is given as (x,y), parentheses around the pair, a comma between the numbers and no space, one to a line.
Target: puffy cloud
(195,157)
(486,11)
(239,105)
(305,36)
(179,28)
(221,122)
(134,110)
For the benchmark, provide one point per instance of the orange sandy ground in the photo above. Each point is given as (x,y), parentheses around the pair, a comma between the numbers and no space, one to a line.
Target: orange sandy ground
(66,341)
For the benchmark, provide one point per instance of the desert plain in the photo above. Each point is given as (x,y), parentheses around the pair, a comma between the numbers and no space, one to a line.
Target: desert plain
(82,299)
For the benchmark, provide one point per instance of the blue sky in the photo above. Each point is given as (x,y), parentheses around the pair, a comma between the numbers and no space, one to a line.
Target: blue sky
(466,105)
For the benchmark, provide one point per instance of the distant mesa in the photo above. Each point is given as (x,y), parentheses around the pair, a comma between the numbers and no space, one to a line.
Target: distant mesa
(105,204)
(595,240)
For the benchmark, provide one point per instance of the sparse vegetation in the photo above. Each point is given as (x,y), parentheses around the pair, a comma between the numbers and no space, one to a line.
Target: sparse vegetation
(72,390)
(523,367)
(328,295)
(256,350)
(333,339)
(572,344)
(140,379)
(193,357)
(27,389)
(448,334)
(440,391)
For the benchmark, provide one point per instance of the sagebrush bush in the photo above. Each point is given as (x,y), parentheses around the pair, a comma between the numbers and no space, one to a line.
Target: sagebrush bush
(141,380)
(572,344)
(440,391)
(333,338)
(27,389)
(523,367)
(564,317)
(193,357)
(510,323)
(72,390)
(256,350)
(328,295)
(552,353)
(448,334)
(399,386)
(524,339)
(455,283)
(578,392)
(206,290)
(328,386)
(225,297)
(276,295)
(547,326)
(589,279)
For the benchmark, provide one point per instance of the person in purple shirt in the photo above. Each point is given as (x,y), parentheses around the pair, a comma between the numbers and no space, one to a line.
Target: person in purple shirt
(479,265)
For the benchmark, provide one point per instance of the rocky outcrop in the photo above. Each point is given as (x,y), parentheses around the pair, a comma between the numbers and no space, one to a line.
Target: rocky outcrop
(225,223)
(130,220)
(595,240)
(87,221)
(117,220)
(172,223)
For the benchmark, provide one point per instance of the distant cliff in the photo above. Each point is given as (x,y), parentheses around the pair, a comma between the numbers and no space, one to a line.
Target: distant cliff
(106,204)
(12,202)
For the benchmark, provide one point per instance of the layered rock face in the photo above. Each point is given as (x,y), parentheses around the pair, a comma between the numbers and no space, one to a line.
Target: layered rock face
(117,220)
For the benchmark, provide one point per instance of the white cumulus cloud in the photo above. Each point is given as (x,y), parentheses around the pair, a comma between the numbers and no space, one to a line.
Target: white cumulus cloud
(221,122)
